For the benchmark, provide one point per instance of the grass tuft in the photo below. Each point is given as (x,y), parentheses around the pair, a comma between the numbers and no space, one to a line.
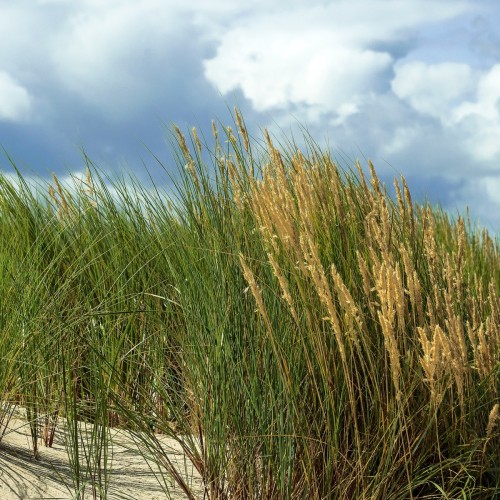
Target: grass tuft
(298,332)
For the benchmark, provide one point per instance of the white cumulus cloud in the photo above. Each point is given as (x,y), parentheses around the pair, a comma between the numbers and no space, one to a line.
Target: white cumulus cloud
(323,56)
(274,70)
(487,102)
(465,101)
(432,89)
(15,100)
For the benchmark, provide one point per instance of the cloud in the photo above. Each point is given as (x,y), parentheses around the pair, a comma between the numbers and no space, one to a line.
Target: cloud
(413,84)
(401,139)
(15,100)
(432,89)
(321,56)
(464,100)
(274,71)
(107,55)
(482,195)
(492,188)
(481,117)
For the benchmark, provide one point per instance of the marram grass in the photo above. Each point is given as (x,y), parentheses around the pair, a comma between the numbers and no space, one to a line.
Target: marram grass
(300,333)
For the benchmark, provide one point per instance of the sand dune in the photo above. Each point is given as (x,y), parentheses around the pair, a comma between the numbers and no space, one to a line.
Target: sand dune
(49,477)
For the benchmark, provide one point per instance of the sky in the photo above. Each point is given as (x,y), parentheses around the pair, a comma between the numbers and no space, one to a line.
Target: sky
(413,85)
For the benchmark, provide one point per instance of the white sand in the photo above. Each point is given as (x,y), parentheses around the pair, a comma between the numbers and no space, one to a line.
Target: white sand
(23,477)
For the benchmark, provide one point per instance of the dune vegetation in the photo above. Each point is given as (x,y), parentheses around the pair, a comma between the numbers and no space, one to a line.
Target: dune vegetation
(298,331)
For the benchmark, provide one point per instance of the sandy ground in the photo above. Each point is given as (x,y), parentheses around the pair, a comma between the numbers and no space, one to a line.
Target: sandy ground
(23,477)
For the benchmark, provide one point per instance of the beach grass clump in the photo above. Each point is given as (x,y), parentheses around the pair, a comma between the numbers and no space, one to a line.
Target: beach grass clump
(299,332)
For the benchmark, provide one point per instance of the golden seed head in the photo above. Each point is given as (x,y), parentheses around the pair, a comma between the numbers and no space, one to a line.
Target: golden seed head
(399,197)
(196,140)
(242,130)
(492,420)
(182,143)
(375,180)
